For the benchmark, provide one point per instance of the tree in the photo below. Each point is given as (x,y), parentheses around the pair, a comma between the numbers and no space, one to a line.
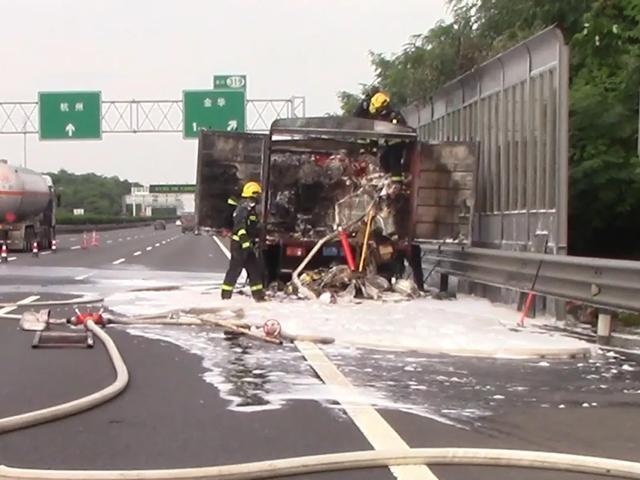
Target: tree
(95,193)
(604,36)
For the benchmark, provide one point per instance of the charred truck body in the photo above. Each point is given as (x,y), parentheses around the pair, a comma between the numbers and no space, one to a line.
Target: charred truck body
(27,208)
(322,175)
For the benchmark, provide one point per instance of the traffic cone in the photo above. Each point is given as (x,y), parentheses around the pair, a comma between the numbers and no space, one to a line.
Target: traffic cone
(85,242)
(34,249)
(3,253)
(54,246)
(94,240)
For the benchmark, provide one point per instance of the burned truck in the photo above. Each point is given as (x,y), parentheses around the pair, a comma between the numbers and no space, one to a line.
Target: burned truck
(326,180)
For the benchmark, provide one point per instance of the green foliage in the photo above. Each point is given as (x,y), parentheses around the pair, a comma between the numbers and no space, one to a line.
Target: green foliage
(97,194)
(604,36)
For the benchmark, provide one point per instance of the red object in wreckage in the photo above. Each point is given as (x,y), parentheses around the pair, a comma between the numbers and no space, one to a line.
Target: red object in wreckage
(10,217)
(346,246)
(321,159)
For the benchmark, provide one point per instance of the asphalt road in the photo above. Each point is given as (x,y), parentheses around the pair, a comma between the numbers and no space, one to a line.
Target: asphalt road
(232,400)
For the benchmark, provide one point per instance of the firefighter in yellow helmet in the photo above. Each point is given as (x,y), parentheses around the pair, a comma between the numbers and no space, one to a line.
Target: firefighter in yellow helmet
(243,234)
(376,105)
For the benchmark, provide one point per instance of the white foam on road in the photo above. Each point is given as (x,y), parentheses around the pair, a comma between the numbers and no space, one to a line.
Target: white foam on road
(466,326)
(252,381)
(119,261)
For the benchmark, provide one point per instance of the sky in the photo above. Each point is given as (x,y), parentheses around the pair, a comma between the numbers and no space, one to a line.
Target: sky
(154,50)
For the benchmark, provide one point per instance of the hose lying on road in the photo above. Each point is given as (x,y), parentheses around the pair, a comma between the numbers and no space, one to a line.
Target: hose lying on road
(208,320)
(48,303)
(350,461)
(62,410)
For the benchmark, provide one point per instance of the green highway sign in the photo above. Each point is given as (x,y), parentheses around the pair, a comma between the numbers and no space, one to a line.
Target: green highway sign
(172,188)
(70,115)
(213,110)
(230,82)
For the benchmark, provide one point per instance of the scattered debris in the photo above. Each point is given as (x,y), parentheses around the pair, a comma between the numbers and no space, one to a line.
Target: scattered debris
(406,287)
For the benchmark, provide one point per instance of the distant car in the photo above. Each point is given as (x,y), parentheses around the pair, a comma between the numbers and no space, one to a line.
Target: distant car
(159,225)
(188,222)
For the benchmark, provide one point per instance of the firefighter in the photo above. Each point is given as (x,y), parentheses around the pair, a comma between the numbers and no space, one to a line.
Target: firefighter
(377,106)
(243,233)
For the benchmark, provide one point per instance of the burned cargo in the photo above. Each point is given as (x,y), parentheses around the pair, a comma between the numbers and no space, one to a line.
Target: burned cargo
(333,195)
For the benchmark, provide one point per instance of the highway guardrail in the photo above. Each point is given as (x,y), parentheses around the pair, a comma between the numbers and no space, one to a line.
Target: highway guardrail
(600,282)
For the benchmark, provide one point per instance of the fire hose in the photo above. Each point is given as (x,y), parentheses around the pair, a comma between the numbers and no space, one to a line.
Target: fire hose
(294,466)
(67,409)
(351,461)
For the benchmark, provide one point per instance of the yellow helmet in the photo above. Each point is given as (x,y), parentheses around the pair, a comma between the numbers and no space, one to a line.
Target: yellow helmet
(378,102)
(251,189)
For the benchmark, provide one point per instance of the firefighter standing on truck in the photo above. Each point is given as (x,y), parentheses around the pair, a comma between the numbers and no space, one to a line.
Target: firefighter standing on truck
(377,106)
(243,233)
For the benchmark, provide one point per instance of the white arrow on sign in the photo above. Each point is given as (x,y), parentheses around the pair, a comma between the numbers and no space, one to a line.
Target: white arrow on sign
(232,125)
(70,129)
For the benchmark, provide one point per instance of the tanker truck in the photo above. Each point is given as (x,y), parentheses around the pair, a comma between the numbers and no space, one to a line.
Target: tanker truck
(27,208)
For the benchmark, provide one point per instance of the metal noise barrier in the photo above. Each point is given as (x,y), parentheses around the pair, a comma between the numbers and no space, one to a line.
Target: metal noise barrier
(600,282)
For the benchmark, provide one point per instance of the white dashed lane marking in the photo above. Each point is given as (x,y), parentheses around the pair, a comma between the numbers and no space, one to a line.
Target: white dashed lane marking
(82,277)
(119,261)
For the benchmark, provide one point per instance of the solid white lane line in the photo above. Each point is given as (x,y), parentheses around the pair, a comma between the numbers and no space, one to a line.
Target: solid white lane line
(75,247)
(119,261)
(4,311)
(149,248)
(137,253)
(376,430)
(222,246)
